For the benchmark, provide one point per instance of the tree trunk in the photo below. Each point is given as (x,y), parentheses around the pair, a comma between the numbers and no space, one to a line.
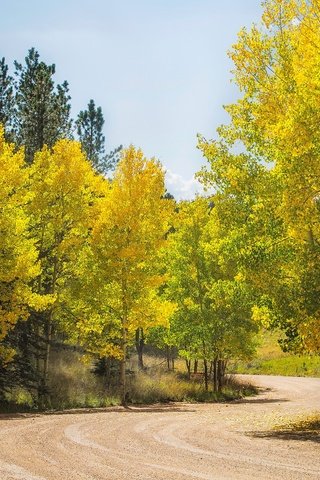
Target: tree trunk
(107,371)
(222,371)
(215,375)
(123,386)
(46,401)
(188,365)
(37,355)
(140,346)
(48,339)
(168,356)
(195,367)
(220,375)
(311,237)
(205,374)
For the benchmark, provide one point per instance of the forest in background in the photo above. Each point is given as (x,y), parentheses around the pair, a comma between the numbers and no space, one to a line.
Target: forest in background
(96,256)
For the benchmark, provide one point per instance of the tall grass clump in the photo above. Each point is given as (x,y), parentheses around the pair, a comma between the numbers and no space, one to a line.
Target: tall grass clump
(153,387)
(73,385)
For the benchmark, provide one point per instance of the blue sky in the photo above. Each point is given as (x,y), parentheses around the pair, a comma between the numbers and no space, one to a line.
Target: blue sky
(158,68)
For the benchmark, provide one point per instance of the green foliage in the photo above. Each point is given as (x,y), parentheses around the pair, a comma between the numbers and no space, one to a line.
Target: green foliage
(291,365)
(213,315)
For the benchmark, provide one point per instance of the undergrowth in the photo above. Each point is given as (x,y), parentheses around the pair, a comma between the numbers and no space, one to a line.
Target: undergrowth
(170,387)
(73,385)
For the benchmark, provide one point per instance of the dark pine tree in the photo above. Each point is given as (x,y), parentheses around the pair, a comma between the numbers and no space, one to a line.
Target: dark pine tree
(6,100)
(42,110)
(90,131)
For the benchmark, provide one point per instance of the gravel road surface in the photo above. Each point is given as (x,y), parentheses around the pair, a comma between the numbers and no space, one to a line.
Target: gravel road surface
(169,442)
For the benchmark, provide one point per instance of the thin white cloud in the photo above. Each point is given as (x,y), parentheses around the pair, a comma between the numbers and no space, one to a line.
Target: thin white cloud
(181,188)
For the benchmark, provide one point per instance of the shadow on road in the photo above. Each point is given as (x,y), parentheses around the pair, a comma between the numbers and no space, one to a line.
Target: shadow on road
(261,400)
(18,416)
(165,408)
(300,435)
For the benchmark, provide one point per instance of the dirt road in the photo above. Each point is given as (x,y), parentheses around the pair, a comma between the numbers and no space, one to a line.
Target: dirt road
(182,441)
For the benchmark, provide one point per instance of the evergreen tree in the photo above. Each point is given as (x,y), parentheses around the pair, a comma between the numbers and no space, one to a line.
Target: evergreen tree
(89,129)
(6,99)
(43,111)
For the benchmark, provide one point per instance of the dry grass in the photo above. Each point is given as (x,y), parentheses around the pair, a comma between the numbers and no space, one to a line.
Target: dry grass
(309,424)
(157,385)
(73,385)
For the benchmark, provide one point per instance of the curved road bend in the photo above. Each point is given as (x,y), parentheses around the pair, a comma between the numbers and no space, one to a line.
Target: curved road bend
(169,442)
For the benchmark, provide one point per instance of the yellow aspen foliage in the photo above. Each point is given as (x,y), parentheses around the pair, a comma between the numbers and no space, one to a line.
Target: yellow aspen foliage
(63,189)
(277,68)
(276,123)
(18,256)
(128,236)
(124,258)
